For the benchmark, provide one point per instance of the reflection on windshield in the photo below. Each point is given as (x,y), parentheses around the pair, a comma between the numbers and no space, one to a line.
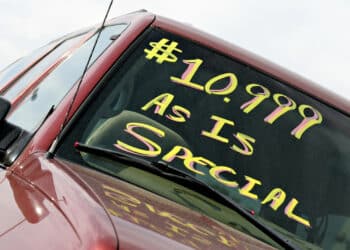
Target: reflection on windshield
(277,152)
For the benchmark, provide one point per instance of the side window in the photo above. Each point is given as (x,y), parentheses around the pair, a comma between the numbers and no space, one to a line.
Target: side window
(40,68)
(21,64)
(56,85)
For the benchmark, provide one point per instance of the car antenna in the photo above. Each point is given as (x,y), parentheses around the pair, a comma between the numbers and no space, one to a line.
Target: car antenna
(58,137)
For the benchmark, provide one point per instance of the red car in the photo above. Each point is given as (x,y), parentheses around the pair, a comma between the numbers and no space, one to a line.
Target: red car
(173,139)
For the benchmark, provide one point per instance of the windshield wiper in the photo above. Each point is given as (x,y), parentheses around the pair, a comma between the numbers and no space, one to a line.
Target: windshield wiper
(166,170)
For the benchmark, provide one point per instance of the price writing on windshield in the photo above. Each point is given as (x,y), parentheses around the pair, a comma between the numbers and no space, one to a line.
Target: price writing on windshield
(163,51)
(217,85)
(284,103)
(161,103)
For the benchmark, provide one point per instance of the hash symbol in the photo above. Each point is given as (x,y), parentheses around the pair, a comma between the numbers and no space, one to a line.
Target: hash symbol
(162,51)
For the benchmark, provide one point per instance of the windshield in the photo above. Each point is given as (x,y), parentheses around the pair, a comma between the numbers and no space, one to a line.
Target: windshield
(277,152)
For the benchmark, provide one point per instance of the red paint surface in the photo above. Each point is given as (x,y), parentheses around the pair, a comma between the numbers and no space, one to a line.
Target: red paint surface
(51,209)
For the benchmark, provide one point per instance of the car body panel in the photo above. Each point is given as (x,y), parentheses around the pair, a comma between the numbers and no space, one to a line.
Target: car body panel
(141,219)
(73,217)
(30,220)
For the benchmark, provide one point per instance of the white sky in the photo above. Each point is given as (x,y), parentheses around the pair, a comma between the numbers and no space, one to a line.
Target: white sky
(309,37)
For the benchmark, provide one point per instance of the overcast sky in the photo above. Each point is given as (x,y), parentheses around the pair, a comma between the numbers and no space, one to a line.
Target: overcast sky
(308,37)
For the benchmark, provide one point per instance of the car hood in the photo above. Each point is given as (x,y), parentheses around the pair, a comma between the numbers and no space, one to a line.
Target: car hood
(46,206)
(29,220)
(142,220)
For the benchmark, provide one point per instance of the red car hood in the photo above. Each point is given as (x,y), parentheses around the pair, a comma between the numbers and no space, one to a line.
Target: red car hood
(84,206)
(45,207)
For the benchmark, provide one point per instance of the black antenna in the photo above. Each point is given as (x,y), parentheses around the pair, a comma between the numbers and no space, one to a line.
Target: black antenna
(53,146)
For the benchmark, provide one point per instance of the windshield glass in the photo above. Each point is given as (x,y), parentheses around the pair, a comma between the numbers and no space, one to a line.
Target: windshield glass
(277,152)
